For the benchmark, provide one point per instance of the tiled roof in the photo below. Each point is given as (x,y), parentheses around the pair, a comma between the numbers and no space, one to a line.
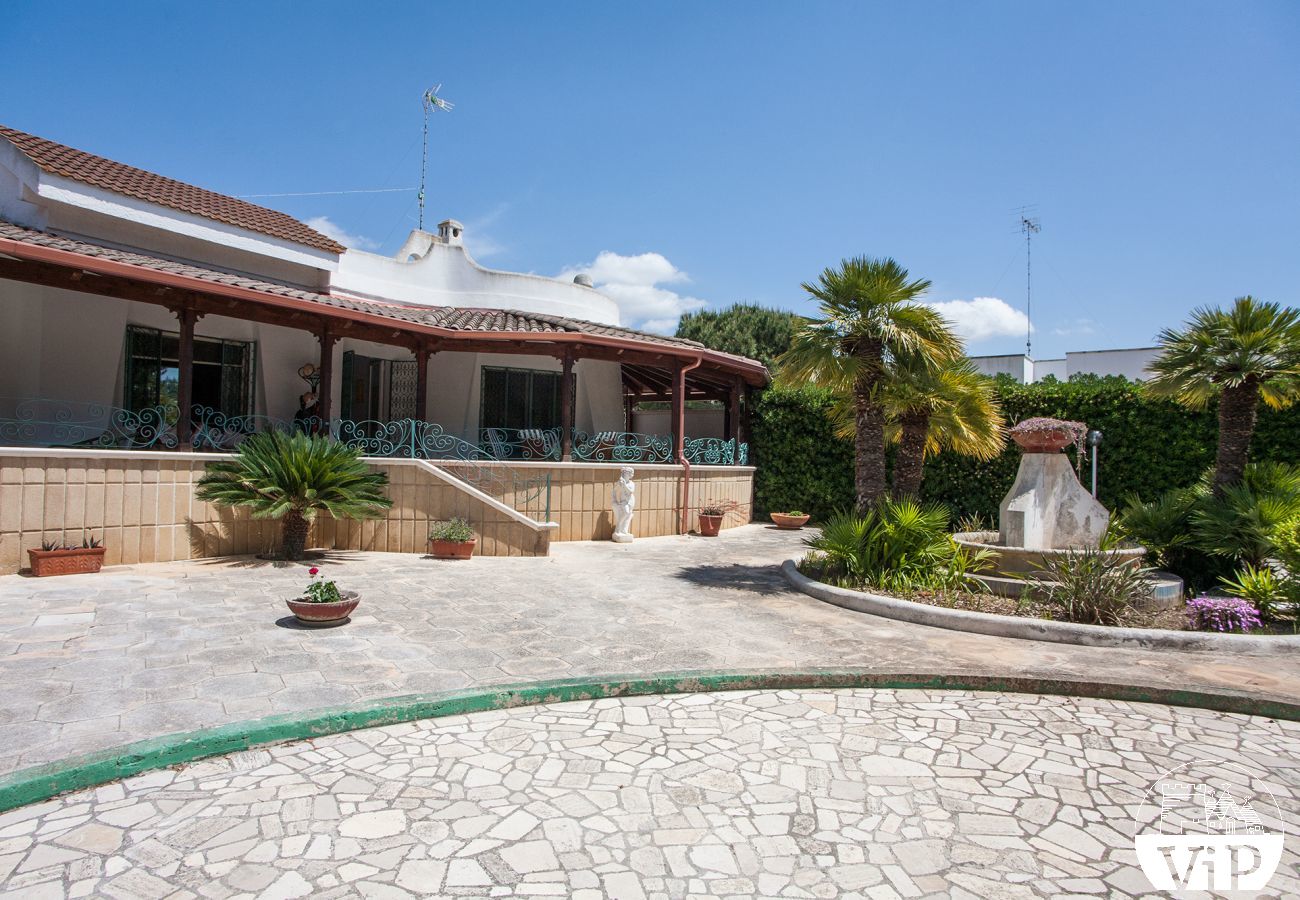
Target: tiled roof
(449,317)
(58,159)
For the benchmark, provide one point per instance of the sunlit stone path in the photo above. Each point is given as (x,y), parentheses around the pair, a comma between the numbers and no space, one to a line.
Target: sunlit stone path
(91,662)
(852,793)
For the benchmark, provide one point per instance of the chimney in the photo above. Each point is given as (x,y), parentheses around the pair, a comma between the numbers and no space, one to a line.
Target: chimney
(451,232)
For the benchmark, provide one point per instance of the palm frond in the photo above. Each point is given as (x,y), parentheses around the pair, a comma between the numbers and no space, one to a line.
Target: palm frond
(1250,342)
(273,474)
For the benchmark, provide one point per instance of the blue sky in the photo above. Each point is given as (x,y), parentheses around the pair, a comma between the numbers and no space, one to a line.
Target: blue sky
(716,152)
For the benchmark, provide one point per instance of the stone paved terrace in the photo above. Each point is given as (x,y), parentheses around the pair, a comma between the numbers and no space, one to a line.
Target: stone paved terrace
(90,662)
(850,793)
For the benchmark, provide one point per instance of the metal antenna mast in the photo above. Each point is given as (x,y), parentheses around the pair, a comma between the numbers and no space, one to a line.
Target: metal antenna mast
(1029,227)
(431,102)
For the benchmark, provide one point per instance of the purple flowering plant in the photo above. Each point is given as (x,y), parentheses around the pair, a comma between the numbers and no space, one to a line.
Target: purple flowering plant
(1226,614)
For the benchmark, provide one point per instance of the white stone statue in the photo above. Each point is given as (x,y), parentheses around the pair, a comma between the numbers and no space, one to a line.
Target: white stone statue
(623,497)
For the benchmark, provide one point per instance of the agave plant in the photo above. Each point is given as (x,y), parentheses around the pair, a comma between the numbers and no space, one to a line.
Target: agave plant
(1090,586)
(292,478)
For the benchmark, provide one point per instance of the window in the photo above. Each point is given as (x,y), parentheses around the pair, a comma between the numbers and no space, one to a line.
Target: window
(519,398)
(221,378)
(378,390)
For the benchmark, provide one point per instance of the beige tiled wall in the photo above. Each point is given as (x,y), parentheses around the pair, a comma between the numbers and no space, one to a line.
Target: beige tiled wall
(420,499)
(581,503)
(142,506)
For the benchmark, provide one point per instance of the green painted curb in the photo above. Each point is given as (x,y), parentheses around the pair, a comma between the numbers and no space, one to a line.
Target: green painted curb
(43,782)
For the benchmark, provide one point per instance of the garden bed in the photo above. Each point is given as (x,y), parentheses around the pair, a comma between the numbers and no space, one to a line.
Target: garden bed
(1025,626)
(1171,619)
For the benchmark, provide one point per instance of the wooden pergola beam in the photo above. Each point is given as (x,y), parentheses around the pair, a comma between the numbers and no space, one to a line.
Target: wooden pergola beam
(392,334)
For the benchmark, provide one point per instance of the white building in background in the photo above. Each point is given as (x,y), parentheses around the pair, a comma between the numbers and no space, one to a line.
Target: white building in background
(1133,363)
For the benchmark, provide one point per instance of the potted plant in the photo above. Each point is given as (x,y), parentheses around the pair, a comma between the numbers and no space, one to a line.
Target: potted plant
(293,477)
(323,603)
(711,519)
(453,539)
(67,559)
(793,520)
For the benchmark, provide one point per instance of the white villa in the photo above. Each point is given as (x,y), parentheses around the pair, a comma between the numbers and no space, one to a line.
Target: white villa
(146,321)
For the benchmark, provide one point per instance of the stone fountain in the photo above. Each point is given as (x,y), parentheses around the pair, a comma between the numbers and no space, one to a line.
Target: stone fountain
(1047,513)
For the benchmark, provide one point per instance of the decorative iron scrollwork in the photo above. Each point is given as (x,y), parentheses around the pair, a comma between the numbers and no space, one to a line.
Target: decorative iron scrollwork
(623,446)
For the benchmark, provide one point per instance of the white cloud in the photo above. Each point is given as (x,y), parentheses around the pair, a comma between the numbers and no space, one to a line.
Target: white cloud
(982,318)
(480,245)
(478,241)
(634,283)
(328,227)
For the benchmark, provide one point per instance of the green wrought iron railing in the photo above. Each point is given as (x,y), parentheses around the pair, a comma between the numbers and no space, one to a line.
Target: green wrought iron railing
(622,446)
(48,423)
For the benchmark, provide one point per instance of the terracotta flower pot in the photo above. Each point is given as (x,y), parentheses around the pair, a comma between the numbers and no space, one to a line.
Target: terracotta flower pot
(793,523)
(451,549)
(77,561)
(317,614)
(1053,441)
(710,525)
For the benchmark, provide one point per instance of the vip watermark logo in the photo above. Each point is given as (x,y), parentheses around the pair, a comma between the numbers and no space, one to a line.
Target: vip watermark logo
(1209,826)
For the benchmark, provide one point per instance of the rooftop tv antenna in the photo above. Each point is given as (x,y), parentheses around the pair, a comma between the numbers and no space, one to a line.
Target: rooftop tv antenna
(431,102)
(1029,226)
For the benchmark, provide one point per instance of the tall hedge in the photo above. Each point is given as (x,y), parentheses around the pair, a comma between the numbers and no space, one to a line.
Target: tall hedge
(1149,446)
(801,464)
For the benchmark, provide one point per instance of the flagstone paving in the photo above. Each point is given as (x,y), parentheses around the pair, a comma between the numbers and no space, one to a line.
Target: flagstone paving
(849,793)
(96,661)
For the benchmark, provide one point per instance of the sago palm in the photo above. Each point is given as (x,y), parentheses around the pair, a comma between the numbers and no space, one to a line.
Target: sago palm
(1239,356)
(930,409)
(292,478)
(869,316)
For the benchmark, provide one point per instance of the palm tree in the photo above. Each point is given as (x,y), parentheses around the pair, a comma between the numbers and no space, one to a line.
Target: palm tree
(869,317)
(293,477)
(930,409)
(1240,356)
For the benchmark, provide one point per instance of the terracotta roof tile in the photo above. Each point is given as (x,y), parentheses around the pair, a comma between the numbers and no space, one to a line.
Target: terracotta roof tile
(449,317)
(87,168)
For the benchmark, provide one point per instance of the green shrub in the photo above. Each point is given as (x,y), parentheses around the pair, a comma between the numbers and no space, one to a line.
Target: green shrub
(1090,586)
(1286,546)
(455,530)
(1150,447)
(899,546)
(1164,527)
(1266,591)
(1204,539)
(743,329)
(292,477)
(801,464)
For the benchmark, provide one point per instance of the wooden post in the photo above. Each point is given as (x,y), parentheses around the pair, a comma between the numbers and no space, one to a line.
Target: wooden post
(629,413)
(325,391)
(185,379)
(422,382)
(733,419)
(679,411)
(566,407)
